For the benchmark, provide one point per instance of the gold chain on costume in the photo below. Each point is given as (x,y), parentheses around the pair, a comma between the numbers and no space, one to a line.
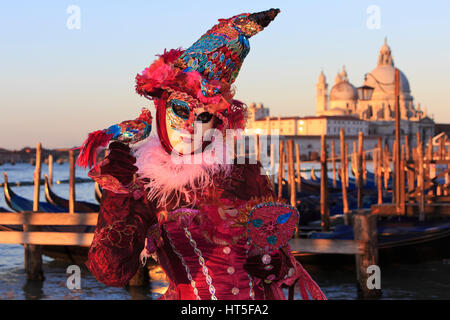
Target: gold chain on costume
(202,263)
(201,260)
(188,272)
(252,293)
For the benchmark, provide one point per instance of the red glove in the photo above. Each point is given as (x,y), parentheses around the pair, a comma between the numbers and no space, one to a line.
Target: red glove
(268,267)
(119,163)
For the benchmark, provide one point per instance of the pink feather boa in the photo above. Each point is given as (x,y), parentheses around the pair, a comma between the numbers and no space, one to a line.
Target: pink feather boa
(170,180)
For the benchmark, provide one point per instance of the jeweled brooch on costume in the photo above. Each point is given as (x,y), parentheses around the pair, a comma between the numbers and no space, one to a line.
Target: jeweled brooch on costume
(271,225)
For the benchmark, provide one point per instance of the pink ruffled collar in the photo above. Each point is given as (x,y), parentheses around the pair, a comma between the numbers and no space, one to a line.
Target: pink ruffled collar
(168,180)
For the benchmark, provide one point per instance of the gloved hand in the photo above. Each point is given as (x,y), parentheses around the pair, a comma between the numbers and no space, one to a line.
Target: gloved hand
(119,163)
(268,267)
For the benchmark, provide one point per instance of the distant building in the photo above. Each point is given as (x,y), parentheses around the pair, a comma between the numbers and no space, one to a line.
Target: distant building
(340,107)
(307,131)
(379,110)
(292,126)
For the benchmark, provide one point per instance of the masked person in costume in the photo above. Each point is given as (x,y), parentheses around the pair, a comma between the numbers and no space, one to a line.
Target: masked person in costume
(213,225)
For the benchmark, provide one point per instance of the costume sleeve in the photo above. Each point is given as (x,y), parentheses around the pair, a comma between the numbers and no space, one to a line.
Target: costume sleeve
(119,237)
(254,182)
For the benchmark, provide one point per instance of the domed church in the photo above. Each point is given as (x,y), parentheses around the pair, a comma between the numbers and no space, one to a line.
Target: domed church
(341,107)
(343,100)
(343,96)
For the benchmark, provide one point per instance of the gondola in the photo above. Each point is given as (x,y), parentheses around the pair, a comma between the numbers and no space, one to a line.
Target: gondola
(20,204)
(54,199)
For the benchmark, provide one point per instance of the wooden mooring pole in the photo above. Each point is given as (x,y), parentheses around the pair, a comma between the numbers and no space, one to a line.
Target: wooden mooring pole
(420,178)
(397,163)
(429,168)
(386,167)
(257,147)
(33,253)
(72,182)
(324,208)
(354,160)
(298,168)
(37,177)
(378,170)
(402,180)
(281,169)
(359,168)
(409,172)
(346,165)
(344,173)
(364,167)
(50,170)
(272,164)
(333,162)
(365,229)
(447,175)
(394,161)
(441,156)
(291,173)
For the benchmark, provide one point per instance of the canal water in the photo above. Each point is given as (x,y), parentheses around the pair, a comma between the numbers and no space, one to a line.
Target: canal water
(419,280)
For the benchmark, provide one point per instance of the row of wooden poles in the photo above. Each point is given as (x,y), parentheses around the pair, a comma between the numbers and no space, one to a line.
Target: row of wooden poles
(37,178)
(294,181)
(414,161)
(33,253)
(415,168)
(414,164)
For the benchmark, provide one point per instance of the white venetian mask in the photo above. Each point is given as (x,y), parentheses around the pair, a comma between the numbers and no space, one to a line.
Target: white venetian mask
(186,136)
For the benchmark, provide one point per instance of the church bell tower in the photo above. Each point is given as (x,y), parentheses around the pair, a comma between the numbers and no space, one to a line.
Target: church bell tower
(321,94)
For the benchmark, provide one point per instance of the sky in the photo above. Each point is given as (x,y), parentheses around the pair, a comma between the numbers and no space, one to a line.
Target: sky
(58,83)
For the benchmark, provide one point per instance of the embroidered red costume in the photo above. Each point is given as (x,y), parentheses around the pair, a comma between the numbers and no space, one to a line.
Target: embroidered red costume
(192,217)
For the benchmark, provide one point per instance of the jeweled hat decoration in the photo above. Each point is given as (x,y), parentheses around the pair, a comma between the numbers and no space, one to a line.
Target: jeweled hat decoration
(206,70)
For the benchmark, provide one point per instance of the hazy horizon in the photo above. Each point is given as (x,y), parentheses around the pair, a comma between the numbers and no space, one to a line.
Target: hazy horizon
(59,84)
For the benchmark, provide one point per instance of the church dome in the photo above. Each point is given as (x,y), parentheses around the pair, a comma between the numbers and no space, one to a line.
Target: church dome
(382,80)
(383,76)
(343,90)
